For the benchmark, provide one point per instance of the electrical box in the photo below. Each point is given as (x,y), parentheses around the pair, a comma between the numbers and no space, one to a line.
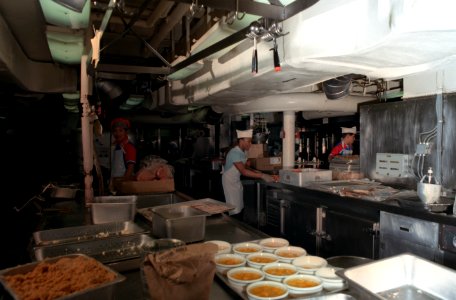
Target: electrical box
(423,149)
(393,165)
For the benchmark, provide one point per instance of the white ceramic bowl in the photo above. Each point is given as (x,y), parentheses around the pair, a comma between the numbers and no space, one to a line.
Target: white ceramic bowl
(227,261)
(258,260)
(289,253)
(223,247)
(330,279)
(270,271)
(309,264)
(263,285)
(328,274)
(244,275)
(271,244)
(247,248)
(304,279)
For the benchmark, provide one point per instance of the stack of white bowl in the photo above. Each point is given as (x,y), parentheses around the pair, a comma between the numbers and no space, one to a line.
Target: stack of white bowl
(330,279)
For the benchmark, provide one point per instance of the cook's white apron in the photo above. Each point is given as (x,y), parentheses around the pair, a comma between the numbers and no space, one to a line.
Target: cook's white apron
(233,190)
(117,163)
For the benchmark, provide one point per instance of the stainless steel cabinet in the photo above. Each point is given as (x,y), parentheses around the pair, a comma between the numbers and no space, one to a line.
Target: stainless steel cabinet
(344,234)
(301,225)
(295,221)
(321,231)
(399,234)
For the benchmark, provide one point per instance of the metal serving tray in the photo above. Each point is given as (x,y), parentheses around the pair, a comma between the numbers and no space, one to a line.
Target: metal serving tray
(405,277)
(106,209)
(85,233)
(179,222)
(122,253)
(144,201)
(104,291)
(337,296)
(334,294)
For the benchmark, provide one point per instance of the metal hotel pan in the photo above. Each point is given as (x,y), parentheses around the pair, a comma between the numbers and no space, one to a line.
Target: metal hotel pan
(405,277)
(121,253)
(85,233)
(103,291)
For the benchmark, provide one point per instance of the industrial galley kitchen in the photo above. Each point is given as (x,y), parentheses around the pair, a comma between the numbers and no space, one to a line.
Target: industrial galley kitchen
(205,149)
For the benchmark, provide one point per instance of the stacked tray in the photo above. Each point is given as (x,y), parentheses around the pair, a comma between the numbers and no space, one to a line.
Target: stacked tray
(121,253)
(117,244)
(85,233)
(206,206)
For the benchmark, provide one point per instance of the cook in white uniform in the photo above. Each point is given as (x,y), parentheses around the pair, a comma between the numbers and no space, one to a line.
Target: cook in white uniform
(234,167)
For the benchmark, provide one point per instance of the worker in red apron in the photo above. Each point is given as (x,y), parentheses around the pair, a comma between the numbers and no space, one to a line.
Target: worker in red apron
(123,157)
(234,167)
(345,147)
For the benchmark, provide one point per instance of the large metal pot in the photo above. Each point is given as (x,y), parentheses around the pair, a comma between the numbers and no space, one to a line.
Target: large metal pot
(347,261)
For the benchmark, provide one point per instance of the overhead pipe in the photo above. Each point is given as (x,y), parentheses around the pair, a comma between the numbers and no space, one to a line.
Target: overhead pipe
(293,102)
(241,34)
(197,116)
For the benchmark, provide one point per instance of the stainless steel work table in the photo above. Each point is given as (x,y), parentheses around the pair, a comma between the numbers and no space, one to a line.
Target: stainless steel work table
(218,227)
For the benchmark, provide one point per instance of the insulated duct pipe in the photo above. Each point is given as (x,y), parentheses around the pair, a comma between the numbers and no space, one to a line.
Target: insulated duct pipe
(294,102)
(337,88)
(288,146)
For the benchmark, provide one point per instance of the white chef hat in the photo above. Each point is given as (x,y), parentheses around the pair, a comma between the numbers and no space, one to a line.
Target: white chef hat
(349,129)
(244,133)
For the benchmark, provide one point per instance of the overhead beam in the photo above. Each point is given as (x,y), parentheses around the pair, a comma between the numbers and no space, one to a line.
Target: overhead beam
(290,10)
(296,7)
(249,7)
(132,69)
(222,44)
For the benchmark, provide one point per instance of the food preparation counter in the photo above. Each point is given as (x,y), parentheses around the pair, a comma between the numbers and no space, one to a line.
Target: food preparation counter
(218,227)
(359,205)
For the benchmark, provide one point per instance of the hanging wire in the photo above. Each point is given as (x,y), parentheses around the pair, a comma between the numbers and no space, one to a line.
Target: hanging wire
(415,167)
(237,11)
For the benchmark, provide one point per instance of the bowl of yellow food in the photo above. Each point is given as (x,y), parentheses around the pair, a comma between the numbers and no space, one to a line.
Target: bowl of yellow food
(247,248)
(258,260)
(289,253)
(279,271)
(272,244)
(223,247)
(302,284)
(267,290)
(227,261)
(244,275)
(309,264)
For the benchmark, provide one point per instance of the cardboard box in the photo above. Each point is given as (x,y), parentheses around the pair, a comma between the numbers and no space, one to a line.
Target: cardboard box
(145,187)
(257,150)
(267,163)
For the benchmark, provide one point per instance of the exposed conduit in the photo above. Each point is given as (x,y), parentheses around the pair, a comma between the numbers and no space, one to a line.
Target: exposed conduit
(293,102)
(34,76)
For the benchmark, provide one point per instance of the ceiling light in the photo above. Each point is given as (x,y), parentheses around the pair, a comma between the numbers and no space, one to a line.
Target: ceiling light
(76,5)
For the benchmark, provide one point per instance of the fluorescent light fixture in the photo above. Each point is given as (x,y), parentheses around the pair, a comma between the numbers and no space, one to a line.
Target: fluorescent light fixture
(76,5)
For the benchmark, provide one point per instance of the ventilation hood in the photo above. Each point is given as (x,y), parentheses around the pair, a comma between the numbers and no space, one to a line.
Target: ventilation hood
(383,40)
(378,39)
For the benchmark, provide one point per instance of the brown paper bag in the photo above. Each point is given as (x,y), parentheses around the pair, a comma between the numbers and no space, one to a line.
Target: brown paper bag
(181,273)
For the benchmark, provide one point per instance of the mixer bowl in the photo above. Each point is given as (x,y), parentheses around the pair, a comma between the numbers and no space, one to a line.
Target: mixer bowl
(429,193)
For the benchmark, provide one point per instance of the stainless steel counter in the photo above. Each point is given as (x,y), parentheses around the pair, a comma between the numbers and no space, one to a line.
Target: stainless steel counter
(219,227)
